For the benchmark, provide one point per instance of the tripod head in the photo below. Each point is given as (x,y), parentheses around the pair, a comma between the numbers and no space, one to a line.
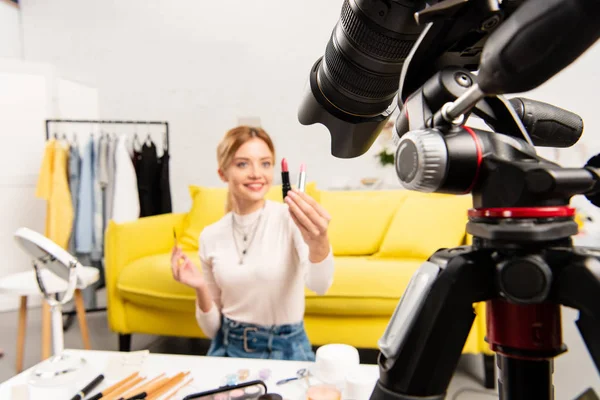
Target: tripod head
(499,168)
(437,153)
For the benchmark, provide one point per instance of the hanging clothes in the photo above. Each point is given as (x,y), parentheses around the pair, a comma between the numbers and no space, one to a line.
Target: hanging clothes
(85,208)
(126,205)
(110,187)
(163,186)
(74,166)
(102,163)
(146,179)
(136,155)
(53,186)
(98,220)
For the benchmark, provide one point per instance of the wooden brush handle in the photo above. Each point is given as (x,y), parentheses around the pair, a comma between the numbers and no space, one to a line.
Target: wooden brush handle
(140,389)
(167,386)
(174,392)
(117,393)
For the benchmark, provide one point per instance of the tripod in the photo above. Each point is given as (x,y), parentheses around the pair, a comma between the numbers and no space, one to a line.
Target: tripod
(522,262)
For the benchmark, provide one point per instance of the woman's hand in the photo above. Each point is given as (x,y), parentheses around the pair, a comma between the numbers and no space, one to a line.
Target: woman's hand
(184,270)
(312,220)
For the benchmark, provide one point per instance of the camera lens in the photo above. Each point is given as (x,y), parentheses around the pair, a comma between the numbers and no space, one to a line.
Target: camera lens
(353,85)
(360,72)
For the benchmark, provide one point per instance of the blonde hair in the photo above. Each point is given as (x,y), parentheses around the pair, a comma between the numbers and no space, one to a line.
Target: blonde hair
(232,141)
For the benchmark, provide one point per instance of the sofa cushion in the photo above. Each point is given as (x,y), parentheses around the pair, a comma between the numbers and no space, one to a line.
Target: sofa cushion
(359,219)
(149,281)
(363,286)
(425,223)
(208,206)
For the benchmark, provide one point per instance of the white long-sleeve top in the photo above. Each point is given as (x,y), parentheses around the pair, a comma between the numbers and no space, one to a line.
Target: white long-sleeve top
(126,201)
(268,287)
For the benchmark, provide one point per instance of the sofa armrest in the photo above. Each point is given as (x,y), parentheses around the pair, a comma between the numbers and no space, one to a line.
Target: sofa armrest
(127,242)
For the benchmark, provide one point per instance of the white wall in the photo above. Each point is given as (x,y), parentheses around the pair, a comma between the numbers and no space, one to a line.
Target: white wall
(10,30)
(25,102)
(575,89)
(31,93)
(200,67)
(203,65)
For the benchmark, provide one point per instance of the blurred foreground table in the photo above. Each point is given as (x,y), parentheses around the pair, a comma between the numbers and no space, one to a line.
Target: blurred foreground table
(207,373)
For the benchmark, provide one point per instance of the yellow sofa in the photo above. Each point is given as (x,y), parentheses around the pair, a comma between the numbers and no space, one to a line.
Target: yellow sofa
(379,239)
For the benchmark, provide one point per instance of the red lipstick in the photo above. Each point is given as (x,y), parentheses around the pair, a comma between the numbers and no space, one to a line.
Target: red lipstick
(285,178)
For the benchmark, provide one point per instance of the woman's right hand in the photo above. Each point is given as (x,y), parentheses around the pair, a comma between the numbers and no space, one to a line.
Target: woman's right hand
(184,270)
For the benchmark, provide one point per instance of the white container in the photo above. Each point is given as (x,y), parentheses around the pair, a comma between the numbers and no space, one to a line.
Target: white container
(333,362)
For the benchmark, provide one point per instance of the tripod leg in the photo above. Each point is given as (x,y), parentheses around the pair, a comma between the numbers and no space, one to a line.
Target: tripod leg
(578,287)
(489,370)
(590,332)
(518,375)
(426,334)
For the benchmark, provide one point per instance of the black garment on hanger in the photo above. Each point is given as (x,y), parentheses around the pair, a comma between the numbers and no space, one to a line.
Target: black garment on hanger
(163,186)
(137,156)
(147,167)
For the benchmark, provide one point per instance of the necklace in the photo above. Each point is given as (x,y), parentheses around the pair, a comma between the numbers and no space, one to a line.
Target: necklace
(247,241)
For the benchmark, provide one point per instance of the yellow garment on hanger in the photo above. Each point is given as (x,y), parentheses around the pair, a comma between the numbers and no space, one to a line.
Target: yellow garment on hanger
(53,186)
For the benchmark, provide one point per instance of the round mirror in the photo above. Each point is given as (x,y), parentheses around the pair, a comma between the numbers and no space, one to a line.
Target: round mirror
(48,259)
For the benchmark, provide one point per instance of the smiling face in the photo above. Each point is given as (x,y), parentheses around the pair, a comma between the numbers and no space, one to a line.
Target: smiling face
(250,173)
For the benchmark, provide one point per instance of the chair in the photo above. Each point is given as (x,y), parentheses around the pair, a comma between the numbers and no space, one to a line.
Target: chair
(24,285)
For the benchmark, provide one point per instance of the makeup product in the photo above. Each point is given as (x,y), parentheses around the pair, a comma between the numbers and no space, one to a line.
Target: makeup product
(143,388)
(264,374)
(88,388)
(138,396)
(323,392)
(334,361)
(173,381)
(231,379)
(114,387)
(301,373)
(359,385)
(123,389)
(243,374)
(237,394)
(252,392)
(270,396)
(174,392)
(285,178)
(302,178)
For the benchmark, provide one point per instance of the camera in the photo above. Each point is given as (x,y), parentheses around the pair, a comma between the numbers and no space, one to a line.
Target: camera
(442,62)
(381,52)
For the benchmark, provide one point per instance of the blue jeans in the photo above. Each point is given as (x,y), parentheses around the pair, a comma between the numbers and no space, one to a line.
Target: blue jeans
(276,342)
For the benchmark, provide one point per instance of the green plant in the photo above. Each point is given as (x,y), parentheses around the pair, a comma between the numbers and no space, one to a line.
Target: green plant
(385,157)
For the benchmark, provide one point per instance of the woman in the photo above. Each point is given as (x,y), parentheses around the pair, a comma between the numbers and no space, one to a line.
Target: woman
(257,259)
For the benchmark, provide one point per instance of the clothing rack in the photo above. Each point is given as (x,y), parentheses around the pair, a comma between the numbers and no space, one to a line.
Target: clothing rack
(71,314)
(109,122)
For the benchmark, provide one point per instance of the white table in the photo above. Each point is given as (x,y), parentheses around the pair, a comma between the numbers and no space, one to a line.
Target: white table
(207,373)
